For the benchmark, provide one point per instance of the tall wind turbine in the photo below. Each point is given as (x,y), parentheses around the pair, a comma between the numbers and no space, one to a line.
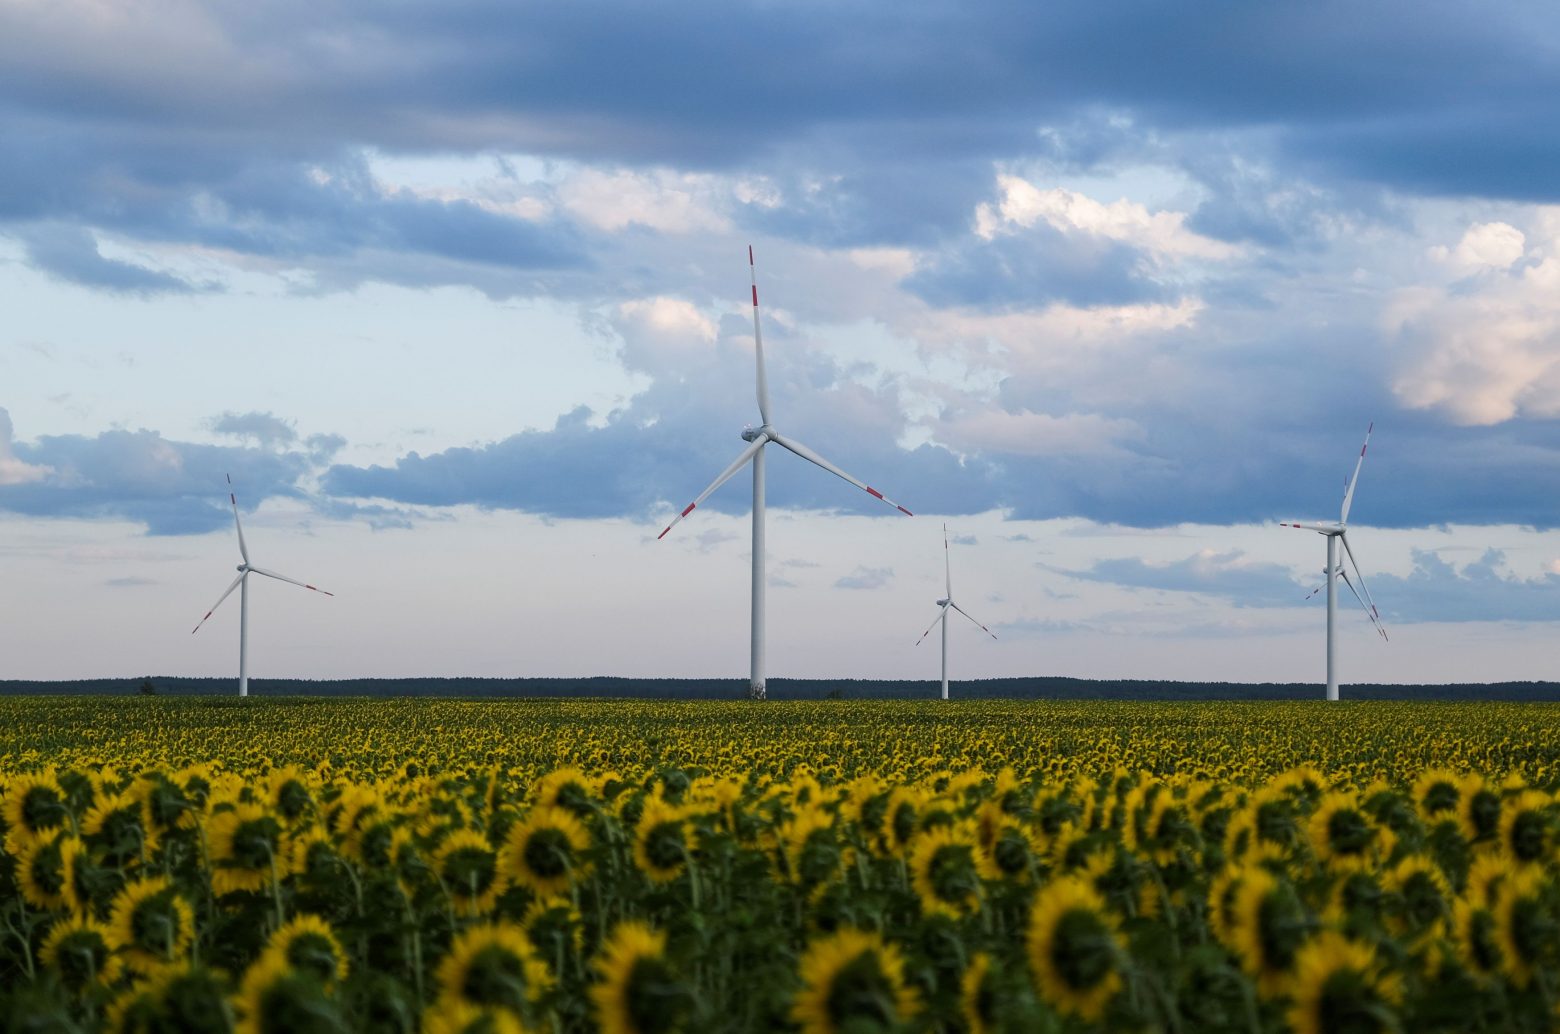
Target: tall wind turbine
(1336,533)
(943,606)
(242,583)
(757,438)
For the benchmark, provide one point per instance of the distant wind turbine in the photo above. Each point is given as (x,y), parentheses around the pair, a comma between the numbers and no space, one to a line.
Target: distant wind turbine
(242,581)
(944,605)
(757,438)
(1336,533)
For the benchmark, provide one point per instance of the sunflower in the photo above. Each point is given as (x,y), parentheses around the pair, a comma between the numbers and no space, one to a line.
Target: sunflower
(288,794)
(150,924)
(77,949)
(1474,930)
(1523,930)
(40,869)
(1074,948)
(554,924)
(312,856)
(493,966)
(245,841)
(165,806)
(544,851)
(1437,793)
(660,841)
(1420,896)
(946,868)
(852,980)
(116,829)
(275,998)
(569,789)
(171,998)
(978,995)
(1526,833)
(468,868)
(307,944)
(1268,924)
(1221,904)
(1339,986)
(34,806)
(1485,876)
(351,813)
(808,849)
(901,817)
(638,992)
(1341,832)
(462,1018)
(1478,809)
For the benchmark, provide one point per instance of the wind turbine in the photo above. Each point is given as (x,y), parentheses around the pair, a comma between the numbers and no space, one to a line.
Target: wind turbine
(757,438)
(1336,533)
(242,582)
(944,605)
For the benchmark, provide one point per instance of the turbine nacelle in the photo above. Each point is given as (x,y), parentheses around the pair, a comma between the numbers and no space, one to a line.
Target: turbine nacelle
(242,568)
(944,602)
(753,434)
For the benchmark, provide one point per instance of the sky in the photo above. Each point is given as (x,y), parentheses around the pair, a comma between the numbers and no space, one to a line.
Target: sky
(457,294)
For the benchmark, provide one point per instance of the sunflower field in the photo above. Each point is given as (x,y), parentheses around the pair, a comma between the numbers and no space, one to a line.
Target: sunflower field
(852,867)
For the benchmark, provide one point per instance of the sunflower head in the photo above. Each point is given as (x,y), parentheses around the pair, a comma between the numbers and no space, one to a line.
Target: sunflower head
(1341,832)
(1419,896)
(569,789)
(1437,793)
(274,997)
(1340,986)
(308,944)
(1269,924)
(946,867)
(1525,929)
(809,849)
(41,870)
(78,951)
(35,804)
(172,998)
(469,870)
(493,966)
(150,924)
(545,851)
(116,829)
(1527,832)
(639,992)
(245,842)
(1075,951)
(1473,928)
(661,840)
(852,980)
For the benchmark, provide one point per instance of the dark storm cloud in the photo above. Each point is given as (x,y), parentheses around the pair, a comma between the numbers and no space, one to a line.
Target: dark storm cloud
(1230,575)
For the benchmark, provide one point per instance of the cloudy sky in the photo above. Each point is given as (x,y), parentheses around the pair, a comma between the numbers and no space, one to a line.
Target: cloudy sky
(457,293)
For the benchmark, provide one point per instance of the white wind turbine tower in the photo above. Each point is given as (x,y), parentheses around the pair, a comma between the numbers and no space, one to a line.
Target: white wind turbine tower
(757,438)
(242,582)
(1336,533)
(944,605)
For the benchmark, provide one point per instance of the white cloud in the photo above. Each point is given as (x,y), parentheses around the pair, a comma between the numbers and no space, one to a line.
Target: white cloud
(665,201)
(1162,234)
(1488,351)
(1034,434)
(1485,246)
(662,331)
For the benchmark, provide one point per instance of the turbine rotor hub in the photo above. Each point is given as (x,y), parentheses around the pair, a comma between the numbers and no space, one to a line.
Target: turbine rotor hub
(752,434)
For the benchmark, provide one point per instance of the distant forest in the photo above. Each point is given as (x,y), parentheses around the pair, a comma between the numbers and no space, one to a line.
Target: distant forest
(779,689)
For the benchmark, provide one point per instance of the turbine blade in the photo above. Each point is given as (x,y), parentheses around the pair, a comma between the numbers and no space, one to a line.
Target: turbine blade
(942,612)
(1316,590)
(1370,604)
(966,613)
(758,345)
(725,475)
(284,578)
(1348,493)
(1323,528)
(812,457)
(947,566)
(242,548)
(217,604)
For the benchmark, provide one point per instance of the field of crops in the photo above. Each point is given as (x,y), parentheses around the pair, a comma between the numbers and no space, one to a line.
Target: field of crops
(201,864)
